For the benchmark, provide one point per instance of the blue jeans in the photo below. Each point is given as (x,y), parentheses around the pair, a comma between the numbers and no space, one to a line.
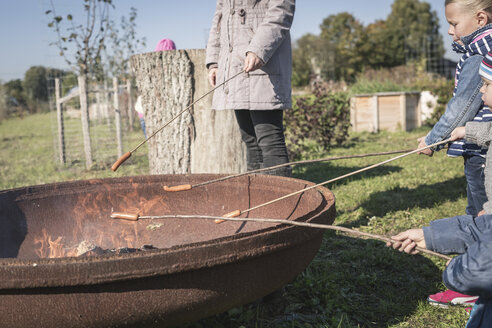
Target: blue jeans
(468,273)
(263,133)
(142,124)
(475,185)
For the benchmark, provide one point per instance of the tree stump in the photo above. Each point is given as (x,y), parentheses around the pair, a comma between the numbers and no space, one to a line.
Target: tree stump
(200,140)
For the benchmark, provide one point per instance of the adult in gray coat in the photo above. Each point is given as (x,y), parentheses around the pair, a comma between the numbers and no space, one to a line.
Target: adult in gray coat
(254,36)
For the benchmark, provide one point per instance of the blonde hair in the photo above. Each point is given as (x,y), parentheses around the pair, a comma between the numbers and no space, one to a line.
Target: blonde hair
(473,6)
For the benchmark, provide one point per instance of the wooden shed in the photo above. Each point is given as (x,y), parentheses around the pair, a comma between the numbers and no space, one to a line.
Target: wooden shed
(390,111)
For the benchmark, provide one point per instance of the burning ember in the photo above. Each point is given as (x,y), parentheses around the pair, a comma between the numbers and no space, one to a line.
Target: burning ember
(54,248)
(85,249)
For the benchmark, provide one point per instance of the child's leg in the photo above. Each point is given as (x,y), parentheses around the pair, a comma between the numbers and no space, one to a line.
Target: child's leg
(475,186)
(254,157)
(269,131)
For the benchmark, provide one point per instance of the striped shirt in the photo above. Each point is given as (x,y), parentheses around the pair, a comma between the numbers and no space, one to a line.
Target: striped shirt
(481,45)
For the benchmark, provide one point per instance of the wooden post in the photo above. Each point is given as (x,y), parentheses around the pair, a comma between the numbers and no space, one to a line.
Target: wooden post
(84,109)
(353,113)
(59,117)
(106,103)
(403,111)
(375,118)
(131,112)
(204,141)
(98,106)
(117,116)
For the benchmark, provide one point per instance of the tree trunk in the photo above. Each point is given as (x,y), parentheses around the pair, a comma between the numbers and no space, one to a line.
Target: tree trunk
(131,112)
(107,103)
(61,127)
(117,116)
(84,109)
(200,140)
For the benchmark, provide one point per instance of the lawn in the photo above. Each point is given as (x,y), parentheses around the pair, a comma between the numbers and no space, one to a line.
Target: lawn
(351,282)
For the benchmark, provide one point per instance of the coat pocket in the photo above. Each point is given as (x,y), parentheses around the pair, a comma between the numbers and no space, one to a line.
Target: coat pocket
(268,89)
(272,67)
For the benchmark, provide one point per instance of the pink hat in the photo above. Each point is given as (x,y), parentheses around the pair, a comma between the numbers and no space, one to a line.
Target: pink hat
(165,44)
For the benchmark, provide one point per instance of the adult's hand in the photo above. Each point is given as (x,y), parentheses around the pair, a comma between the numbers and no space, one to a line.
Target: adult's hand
(212,77)
(252,62)
(406,241)
(422,144)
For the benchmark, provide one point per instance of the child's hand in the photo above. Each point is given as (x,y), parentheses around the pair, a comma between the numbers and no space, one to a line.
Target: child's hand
(407,241)
(458,133)
(422,144)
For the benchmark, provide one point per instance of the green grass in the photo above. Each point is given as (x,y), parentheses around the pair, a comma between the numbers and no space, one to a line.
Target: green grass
(351,282)
(28,155)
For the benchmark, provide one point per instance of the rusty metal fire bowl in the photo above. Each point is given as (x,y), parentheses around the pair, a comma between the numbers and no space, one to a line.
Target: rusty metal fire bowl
(149,273)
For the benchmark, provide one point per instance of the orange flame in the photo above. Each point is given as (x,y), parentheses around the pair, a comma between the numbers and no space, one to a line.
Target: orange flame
(49,248)
(90,222)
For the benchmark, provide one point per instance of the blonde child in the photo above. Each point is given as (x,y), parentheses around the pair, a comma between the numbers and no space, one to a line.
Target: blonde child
(470,272)
(469,25)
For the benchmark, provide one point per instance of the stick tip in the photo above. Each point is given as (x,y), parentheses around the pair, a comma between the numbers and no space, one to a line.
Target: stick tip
(178,188)
(120,161)
(232,214)
(125,216)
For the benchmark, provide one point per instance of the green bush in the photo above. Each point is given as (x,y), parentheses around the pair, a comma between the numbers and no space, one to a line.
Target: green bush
(317,122)
(399,78)
(363,85)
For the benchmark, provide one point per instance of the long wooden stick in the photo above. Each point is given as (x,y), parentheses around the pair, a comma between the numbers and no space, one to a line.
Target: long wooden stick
(127,155)
(190,186)
(358,234)
(239,212)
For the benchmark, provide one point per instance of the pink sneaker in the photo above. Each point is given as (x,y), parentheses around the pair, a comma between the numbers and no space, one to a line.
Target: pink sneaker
(449,297)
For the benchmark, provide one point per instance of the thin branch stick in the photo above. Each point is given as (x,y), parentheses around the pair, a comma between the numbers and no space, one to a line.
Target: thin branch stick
(357,234)
(343,176)
(176,188)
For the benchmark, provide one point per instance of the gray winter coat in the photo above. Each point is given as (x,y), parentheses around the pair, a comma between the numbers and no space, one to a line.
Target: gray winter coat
(480,133)
(261,27)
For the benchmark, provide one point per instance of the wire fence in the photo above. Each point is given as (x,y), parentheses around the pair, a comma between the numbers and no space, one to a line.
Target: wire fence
(67,128)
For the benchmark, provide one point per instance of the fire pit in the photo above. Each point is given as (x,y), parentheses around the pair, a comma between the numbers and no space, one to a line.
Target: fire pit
(65,263)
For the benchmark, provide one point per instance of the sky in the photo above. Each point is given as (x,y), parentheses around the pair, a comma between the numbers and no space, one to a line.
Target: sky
(25,37)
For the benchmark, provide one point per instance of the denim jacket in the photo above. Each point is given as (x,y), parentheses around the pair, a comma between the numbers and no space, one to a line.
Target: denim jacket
(467,100)
(471,272)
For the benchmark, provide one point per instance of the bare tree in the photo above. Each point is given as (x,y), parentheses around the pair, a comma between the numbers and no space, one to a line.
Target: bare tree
(123,43)
(81,46)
